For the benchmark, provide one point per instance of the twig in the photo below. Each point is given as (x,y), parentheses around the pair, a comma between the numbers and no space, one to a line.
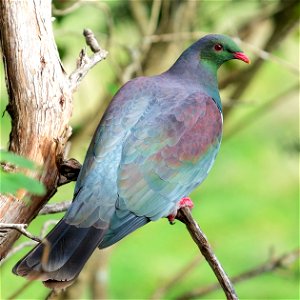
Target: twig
(153,21)
(274,263)
(46,225)
(85,63)
(17,292)
(265,55)
(140,15)
(17,249)
(91,40)
(264,108)
(168,37)
(161,291)
(147,28)
(28,243)
(285,21)
(65,11)
(176,36)
(184,215)
(55,208)
(21,228)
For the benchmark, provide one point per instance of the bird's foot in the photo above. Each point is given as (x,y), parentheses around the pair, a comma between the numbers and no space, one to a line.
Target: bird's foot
(184,202)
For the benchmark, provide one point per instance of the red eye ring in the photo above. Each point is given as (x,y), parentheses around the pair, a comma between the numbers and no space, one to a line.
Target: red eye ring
(218,47)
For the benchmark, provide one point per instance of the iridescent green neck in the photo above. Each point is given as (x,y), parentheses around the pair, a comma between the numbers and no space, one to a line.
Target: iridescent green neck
(209,80)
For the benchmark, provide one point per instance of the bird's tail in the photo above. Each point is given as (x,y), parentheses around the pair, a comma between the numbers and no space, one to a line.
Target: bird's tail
(61,256)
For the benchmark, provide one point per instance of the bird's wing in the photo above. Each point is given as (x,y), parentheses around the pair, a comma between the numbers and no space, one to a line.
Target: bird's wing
(96,187)
(168,153)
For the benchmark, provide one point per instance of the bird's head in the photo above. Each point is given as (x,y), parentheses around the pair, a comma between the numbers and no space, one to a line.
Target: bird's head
(217,49)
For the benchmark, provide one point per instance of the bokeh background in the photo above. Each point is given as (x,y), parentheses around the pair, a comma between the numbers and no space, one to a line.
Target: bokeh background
(249,205)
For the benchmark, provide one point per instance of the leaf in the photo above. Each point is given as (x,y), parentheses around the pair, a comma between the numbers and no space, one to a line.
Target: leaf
(12,182)
(10,157)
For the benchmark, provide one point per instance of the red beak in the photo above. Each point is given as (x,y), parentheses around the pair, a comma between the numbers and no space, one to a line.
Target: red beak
(242,56)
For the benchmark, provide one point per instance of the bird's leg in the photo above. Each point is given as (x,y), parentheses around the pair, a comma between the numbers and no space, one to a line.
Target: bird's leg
(184,202)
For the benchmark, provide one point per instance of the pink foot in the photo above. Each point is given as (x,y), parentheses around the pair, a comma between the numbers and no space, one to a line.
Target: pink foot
(184,202)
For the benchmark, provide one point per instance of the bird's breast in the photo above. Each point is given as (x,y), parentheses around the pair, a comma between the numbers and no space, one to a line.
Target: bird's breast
(206,133)
(198,140)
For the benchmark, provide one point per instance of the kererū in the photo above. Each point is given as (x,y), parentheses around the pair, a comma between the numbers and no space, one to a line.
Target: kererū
(156,142)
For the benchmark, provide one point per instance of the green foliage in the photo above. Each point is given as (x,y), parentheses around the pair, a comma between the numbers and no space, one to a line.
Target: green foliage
(11,182)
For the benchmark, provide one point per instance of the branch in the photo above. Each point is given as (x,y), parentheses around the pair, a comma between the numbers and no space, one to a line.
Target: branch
(16,249)
(275,263)
(45,227)
(175,36)
(55,208)
(259,112)
(40,103)
(161,291)
(140,15)
(147,26)
(265,55)
(285,19)
(85,63)
(184,215)
(21,228)
(67,10)
(28,234)
(153,21)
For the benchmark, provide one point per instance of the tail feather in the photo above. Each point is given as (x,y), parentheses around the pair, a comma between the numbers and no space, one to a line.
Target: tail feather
(70,247)
(121,225)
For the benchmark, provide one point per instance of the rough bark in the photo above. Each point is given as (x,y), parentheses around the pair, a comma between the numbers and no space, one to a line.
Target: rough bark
(40,103)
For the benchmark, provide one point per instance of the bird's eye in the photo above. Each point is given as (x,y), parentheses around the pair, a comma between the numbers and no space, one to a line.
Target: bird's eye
(218,47)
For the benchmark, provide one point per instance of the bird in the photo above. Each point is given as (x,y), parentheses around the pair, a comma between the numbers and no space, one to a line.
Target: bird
(155,143)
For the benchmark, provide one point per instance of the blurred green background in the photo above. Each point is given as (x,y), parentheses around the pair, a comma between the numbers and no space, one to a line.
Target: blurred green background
(249,205)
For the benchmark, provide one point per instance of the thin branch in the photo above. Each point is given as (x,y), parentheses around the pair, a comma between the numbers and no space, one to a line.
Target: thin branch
(265,55)
(273,264)
(20,290)
(153,21)
(176,36)
(184,215)
(140,15)
(67,10)
(29,243)
(55,208)
(46,226)
(91,40)
(16,249)
(138,55)
(162,290)
(264,108)
(285,21)
(85,63)
(20,228)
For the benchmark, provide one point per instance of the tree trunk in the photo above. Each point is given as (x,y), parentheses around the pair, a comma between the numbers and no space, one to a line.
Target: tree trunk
(40,103)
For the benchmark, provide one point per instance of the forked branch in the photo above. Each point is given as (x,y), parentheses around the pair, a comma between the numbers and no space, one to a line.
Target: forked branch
(272,264)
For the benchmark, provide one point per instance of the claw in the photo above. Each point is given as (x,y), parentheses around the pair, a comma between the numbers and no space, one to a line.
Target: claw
(171,219)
